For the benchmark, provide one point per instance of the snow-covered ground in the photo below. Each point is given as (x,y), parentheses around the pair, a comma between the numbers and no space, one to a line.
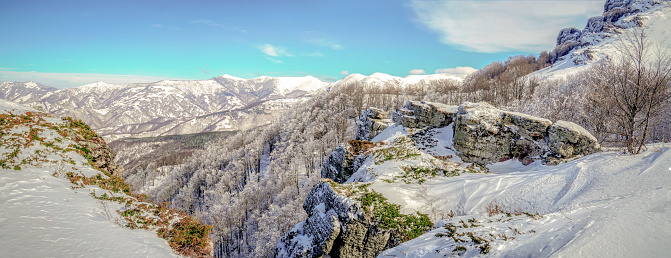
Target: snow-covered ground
(42,215)
(607,204)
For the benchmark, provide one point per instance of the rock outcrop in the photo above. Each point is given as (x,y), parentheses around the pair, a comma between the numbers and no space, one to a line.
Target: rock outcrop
(95,148)
(336,225)
(345,160)
(415,114)
(484,134)
(371,122)
(615,13)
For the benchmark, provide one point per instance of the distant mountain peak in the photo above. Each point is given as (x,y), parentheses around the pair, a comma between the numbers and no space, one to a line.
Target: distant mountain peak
(231,77)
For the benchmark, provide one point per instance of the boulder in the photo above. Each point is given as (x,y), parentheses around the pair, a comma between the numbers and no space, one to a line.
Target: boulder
(567,139)
(484,134)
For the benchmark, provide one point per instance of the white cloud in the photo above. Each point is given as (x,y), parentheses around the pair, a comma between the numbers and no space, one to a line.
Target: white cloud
(274,51)
(417,71)
(495,26)
(344,72)
(460,72)
(324,42)
(68,80)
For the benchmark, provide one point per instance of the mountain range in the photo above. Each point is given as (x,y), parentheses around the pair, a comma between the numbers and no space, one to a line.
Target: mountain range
(224,103)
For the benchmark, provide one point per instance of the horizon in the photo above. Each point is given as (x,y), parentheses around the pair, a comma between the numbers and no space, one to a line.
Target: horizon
(81,42)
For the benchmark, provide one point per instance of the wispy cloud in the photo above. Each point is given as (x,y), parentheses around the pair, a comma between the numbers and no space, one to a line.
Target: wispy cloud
(274,52)
(344,72)
(417,71)
(218,25)
(314,54)
(496,26)
(68,80)
(277,61)
(460,72)
(271,50)
(324,42)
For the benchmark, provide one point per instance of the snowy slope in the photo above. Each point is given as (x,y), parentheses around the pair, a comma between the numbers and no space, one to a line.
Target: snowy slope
(43,215)
(598,40)
(605,204)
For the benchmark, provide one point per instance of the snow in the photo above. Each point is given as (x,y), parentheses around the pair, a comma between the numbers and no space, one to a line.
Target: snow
(42,215)
(287,85)
(231,77)
(6,105)
(606,204)
(657,24)
(574,127)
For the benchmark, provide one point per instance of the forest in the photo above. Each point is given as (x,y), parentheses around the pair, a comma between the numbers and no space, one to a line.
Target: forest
(251,186)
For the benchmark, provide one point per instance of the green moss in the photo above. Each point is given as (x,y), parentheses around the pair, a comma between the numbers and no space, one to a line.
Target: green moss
(420,173)
(388,216)
(402,149)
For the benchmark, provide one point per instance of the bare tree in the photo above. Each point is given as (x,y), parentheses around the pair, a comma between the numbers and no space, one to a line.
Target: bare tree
(632,87)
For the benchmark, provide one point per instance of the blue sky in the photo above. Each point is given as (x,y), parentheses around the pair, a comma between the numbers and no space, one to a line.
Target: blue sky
(71,43)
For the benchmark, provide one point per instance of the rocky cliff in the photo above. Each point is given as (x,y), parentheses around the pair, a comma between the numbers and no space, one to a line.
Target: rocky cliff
(337,225)
(617,15)
(484,134)
(371,122)
(349,214)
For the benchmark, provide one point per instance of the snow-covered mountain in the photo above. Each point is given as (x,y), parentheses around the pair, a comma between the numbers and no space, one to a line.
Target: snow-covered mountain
(169,107)
(222,103)
(381,79)
(578,49)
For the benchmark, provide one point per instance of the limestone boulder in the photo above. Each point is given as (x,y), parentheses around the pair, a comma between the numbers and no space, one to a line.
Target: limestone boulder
(567,139)
(484,134)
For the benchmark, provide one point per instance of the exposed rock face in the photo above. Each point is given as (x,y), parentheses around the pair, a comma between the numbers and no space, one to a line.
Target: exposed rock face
(336,225)
(102,155)
(567,139)
(568,34)
(371,122)
(484,134)
(415,114)
(345,160)
(598,27)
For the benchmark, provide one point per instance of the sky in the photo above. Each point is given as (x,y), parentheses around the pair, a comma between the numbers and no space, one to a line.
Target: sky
(71,43)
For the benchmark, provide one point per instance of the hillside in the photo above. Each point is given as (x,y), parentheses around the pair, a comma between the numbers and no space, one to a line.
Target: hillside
(61,195)
(598,40)
(417,174)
